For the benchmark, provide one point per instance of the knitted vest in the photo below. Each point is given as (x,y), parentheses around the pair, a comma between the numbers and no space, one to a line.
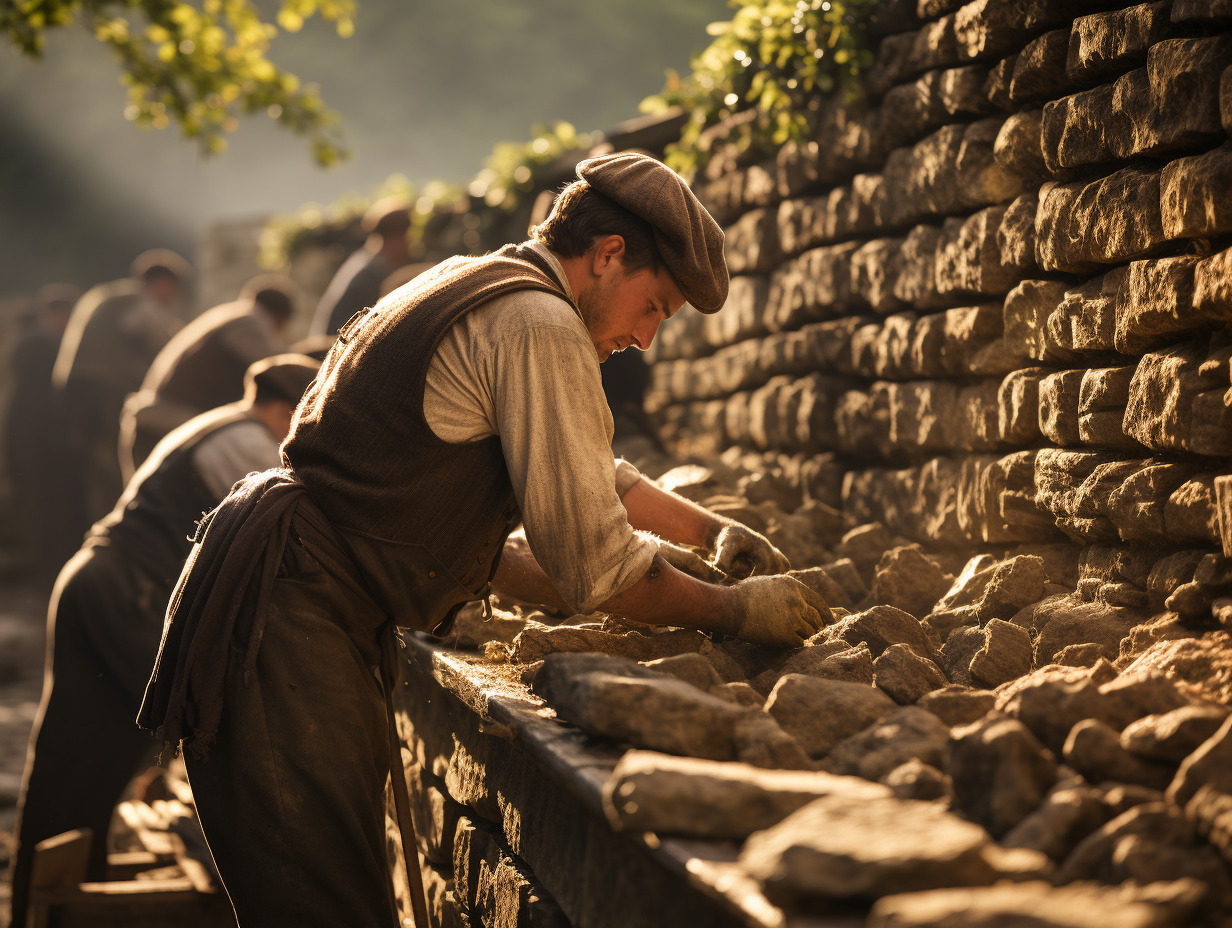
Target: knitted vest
(425,519)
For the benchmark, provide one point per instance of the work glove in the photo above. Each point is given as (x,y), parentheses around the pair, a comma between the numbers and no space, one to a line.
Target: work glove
(779,611)
(689,562)
(741,552)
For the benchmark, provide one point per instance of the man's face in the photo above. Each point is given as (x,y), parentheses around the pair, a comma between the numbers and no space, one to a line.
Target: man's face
(624,310)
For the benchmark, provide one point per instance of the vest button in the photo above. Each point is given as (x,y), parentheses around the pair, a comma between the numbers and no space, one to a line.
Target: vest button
(432,573)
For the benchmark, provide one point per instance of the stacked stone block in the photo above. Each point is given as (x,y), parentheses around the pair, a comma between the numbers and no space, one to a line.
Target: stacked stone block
(996,290)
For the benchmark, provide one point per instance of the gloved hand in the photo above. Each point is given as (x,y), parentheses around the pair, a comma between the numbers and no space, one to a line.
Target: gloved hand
(742,552)
(778,611)
(688,562)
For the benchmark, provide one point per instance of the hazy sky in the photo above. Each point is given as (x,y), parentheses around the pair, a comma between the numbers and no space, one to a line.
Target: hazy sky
(424,89)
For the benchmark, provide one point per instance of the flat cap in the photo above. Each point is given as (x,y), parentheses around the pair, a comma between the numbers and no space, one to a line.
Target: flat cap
(687,236)
(283,376)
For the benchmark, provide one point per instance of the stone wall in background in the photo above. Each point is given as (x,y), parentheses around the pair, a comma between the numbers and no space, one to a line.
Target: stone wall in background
(988,306)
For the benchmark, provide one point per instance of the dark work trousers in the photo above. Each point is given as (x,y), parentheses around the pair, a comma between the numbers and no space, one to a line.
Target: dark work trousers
(103,628)
(291,795)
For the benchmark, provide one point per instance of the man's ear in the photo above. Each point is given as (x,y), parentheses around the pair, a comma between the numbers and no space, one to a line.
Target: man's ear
(609,249)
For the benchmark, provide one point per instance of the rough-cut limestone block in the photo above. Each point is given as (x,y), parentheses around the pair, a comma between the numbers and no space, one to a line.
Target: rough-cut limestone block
(1018,148)
(1156,303)
(1006,654)
(1102,398)
(1162,396)
(910,111)
(1086,905)
(615,698)
(1039,72)
(988,589)
(537,641)
(874,268)
(797,168)
(1052,700)
(969,258)
(1085,319)
(891,348)
(751,243)
(1212,292)
(1196,196)
(950,171)
(997,85)
(1070,622)
(1059,474)
(715,799)
(1191,513)
(1148,842)
(1094,749)
(1058,406)
(909,580)
(819,713)
(1025,318)
(880,627)
(1201,11)
(916,283)
(834,849)
(1116,218)
(1088,510)
(812,286)
(909,733)
(1112,42)
(1171,103)
(1138,507)
(1018,406)
(1067,815)
(1016,236)
(1000,772)
(957,704)
(905,676)
(1172,736)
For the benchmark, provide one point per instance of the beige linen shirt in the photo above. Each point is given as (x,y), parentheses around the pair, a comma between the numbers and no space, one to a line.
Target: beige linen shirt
(523,367)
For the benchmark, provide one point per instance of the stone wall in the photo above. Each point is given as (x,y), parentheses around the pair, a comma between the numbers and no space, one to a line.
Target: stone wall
(988,306)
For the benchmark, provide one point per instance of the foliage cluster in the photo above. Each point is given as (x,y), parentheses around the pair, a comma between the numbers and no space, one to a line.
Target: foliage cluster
(510,172)
(197,65)
(777,57)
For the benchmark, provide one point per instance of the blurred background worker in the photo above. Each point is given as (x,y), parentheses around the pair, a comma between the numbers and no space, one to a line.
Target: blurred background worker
(106,614)
(203,366)
(115,331)
(34,435)
(357,284)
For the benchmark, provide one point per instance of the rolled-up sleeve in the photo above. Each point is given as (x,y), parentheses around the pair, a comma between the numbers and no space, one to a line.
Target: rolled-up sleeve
(556,431)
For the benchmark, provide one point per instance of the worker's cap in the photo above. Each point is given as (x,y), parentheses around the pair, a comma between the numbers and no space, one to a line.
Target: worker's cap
(282,377)
(686,235)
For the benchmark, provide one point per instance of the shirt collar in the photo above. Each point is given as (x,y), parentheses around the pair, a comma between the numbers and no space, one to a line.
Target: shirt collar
(557,268)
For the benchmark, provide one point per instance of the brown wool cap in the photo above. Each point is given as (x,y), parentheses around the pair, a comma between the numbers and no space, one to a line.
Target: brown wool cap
(687,236)
(284,376)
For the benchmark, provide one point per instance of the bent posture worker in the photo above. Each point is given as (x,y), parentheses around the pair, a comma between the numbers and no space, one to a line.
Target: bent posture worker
(106,614)
(463,401)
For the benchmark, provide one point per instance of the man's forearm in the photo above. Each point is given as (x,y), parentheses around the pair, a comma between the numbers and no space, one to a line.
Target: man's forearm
(662,596)
(667,596)
(519,575)
(653,509)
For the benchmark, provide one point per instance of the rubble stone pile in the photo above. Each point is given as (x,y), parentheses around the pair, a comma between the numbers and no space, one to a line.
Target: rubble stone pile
(973,378)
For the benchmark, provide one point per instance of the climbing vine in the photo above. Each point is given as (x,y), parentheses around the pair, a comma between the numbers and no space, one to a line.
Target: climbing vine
(776,57)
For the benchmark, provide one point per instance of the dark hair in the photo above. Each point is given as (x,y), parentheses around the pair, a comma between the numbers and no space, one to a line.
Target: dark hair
(160,263)
(581,215)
